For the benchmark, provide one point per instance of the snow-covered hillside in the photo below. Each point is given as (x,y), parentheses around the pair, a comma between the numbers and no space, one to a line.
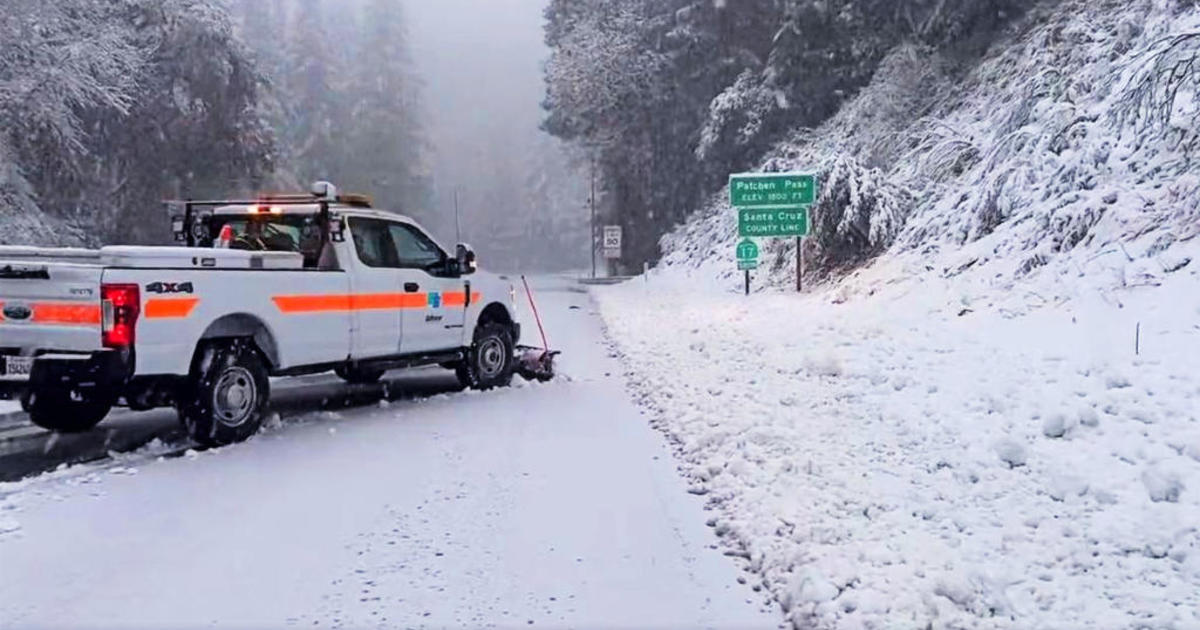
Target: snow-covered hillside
(985,415)
(31,226)
(1068,150)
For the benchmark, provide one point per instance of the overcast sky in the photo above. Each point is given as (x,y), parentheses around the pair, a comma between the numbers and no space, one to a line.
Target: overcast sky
(482,64)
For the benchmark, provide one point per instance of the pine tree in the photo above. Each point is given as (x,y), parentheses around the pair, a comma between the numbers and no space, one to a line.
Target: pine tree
(193,129)
(389,154)
(311,96)
(261,23)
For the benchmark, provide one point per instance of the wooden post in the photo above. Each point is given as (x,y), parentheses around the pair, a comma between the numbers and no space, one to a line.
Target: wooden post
(592,204)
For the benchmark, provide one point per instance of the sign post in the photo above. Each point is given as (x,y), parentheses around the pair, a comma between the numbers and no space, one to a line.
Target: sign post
(774,205)
(799,265)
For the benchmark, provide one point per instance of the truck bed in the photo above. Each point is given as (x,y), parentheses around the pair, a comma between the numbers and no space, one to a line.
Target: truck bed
(152,257)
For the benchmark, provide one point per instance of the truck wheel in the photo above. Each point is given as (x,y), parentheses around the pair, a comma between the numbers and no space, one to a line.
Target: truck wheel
(226,395)
(56,411)
(357,375)
(490,362)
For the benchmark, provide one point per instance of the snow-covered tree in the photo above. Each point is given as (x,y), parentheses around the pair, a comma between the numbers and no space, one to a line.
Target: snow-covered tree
(106,107)
(311,87)
(388,149)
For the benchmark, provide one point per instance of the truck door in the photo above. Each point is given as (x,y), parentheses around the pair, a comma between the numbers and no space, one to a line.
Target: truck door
(438,325)
(377,299)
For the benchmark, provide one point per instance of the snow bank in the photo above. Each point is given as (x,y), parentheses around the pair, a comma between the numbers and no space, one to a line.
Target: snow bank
(909,449)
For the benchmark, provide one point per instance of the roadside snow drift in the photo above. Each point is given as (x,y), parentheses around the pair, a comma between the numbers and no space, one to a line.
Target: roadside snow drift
(906,450)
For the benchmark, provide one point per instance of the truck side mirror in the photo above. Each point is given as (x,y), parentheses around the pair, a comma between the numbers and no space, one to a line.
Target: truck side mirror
(466,259)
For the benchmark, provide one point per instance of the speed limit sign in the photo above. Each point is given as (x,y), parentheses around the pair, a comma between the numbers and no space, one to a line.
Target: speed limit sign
(612,241)
(612,237)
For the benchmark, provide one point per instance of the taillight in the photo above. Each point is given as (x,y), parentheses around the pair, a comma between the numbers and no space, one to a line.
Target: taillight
(120,304)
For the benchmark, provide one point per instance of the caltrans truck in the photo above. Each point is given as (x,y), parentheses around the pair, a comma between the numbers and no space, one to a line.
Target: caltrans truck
(270,287)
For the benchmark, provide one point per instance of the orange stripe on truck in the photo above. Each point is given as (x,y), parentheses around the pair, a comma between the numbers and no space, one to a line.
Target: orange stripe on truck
(312,303)
(170,308)
(308,304)
(298,304)
(66,313)
(387,301)
(459,298)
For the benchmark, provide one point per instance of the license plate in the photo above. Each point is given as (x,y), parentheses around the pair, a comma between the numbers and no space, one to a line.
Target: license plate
(16,368)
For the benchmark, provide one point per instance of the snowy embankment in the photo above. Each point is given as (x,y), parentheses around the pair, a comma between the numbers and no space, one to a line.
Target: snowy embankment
(905,449)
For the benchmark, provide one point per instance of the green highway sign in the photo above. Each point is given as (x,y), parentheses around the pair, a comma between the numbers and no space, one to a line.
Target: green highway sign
(773,222)
(749,264)
(766,190)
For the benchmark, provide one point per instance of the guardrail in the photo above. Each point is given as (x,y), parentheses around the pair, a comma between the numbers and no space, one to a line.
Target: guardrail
(605,281)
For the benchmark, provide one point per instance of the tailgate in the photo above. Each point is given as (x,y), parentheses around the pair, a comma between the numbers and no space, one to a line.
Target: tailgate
(49,306)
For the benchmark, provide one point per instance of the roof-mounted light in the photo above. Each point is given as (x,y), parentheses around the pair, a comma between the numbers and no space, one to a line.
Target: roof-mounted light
(324,191)
(357,200)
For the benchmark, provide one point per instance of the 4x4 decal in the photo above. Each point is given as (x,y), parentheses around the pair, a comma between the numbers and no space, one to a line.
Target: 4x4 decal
(170,287)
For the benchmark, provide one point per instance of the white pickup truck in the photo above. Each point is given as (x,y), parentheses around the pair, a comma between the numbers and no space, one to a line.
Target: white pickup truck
(277,286)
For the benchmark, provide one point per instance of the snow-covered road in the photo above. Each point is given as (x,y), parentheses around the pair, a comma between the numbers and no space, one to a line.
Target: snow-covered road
(552,505)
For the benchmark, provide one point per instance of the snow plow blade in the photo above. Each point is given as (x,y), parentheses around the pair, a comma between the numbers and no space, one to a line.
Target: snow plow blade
(536,364)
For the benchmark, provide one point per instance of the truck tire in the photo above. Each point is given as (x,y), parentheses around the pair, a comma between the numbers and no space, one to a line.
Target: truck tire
(358,375)
(490,361)
(56,411)
(226,395)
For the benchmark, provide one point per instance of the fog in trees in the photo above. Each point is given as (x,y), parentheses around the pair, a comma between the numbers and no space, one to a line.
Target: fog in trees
(106,108)
(522,196)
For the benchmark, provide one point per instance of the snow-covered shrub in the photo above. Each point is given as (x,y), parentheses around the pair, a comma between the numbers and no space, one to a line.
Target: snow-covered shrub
(1161,97)
(858,212)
